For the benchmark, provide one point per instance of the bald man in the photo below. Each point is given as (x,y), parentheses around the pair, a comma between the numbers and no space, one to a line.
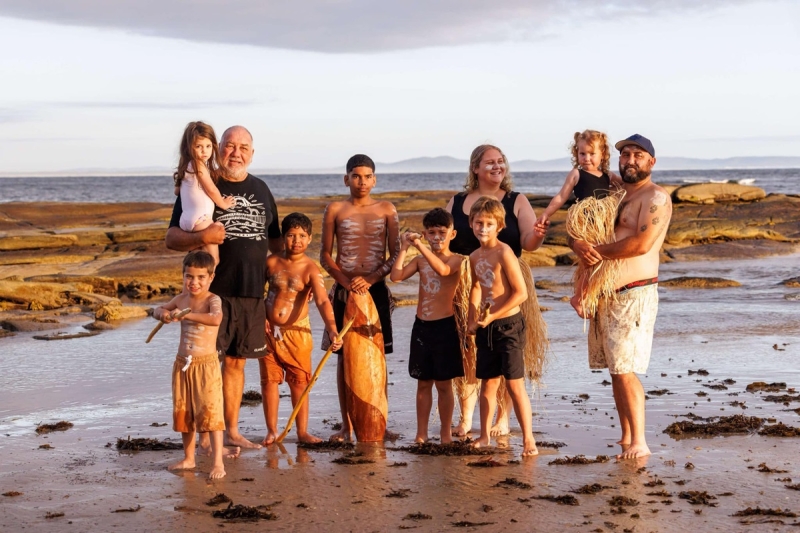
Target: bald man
(245,233)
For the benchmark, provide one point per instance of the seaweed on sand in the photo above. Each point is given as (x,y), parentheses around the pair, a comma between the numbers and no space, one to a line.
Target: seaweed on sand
(580,460)
(128,509)
(399,493)
(513,482)
(488,462)
(767,470)
(764,386)
(697,497)
(450,450)
(417,516)
(58,426)
(141,445)
(252,397)
(618,501)
(781,398)
(780,430)
(242,513)
(219,499)
(758,511)
(726,425)
(566,499)
(550,444)
(594,488)
(355,458)
(326,445)
(466,523)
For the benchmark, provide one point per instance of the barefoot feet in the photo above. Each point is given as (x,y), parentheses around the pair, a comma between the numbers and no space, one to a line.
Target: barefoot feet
(529,448)
(634,451)
(462,429)
(308,438)
(446,435)
(269,439)
(499,429)
(185,464)
(482,442)
(218,472)
(343,435)
(240,441)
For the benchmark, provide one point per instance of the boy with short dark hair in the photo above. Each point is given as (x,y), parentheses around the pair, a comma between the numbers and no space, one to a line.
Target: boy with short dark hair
(498,289)
(196,376)
(435,354)
(364,230)
(292,276)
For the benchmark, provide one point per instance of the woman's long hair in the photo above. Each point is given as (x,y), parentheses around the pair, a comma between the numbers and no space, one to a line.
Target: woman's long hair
(475,160)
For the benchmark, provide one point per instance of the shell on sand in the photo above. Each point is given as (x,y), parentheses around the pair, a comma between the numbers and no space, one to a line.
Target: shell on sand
(592,220)
(365,369)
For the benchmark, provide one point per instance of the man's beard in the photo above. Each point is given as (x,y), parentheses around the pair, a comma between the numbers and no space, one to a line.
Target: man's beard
(640,175)
(238,174)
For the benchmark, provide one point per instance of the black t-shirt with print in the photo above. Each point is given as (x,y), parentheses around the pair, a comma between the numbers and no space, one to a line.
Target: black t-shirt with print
(248,227)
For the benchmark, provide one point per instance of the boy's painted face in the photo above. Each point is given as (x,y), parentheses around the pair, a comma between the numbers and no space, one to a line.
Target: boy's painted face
(589,156)
(439,237)
(361,180)
(484,227)
(196,280)
(296,240)
(202,149)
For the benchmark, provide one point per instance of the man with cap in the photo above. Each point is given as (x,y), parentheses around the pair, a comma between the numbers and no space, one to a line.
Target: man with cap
(621,332)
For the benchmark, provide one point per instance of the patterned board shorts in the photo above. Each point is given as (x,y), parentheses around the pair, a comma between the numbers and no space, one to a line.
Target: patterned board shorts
(621,332)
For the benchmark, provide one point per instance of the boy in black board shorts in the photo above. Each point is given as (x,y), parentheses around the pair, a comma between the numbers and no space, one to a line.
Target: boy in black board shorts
(367,236)
(498,289)
(435,354)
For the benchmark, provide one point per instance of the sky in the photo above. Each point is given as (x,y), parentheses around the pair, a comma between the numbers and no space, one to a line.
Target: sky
(111,85)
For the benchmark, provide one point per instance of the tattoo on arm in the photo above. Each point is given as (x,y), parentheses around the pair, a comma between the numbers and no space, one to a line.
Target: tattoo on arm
(653,208)
(655,221)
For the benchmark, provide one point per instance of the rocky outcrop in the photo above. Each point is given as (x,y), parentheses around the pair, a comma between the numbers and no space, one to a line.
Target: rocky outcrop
(709,193)
(689,282)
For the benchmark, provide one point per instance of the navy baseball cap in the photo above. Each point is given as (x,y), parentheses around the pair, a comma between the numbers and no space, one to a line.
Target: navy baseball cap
(637,140)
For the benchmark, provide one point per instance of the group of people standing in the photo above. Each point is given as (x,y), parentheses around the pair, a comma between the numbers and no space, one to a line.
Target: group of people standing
(362,245)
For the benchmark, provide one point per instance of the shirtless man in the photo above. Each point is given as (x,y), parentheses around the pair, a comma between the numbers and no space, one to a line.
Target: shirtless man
(292,277)
(367,235)
(245,234)
(621,332)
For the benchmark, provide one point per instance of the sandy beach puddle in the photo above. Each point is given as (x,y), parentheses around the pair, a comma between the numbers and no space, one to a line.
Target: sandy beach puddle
(114,386)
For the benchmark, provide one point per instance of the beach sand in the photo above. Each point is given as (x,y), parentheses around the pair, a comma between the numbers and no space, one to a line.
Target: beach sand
(114,386)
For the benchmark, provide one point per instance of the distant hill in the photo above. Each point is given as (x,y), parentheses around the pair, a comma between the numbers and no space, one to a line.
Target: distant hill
(451,164)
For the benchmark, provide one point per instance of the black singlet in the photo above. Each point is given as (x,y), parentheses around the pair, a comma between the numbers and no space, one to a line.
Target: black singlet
(465,241)
(589,185)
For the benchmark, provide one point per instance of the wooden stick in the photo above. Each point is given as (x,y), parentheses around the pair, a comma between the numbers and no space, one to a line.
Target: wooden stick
(182,314)
(311,383)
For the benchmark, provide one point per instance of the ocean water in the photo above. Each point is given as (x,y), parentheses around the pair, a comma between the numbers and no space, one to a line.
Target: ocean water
(105,189)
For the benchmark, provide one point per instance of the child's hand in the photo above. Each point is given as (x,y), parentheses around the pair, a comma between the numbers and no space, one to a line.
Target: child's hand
(336,342)
(359,285)
(472,327)
(541,225)
(411,238)
(227,202)
(175,315)
(162,315)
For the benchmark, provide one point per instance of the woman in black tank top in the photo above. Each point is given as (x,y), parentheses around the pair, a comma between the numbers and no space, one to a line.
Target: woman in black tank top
(489,175)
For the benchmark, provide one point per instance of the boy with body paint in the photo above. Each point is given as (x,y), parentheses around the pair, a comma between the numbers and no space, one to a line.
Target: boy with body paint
(292,277)
(435,354)
(367,236)
(498,289)
(196,376)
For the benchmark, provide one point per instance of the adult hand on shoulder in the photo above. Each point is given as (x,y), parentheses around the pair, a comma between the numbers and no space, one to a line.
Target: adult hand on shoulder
(586,252)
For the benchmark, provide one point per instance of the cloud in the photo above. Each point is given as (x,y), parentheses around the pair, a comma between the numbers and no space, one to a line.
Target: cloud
(153,105)
(339,26)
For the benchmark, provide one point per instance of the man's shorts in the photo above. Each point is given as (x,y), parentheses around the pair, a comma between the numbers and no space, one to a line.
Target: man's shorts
(435,350)
(384,303)
(197,395)
(289,353)
(500,349)
(621,332)
(241,333)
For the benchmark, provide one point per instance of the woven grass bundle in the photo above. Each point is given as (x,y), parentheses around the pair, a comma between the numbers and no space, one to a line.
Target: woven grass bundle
(469,384)
(536,343)
(592,220)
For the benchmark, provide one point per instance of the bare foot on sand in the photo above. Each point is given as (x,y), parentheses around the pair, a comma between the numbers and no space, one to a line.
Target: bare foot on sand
(269,439)
(575,301)
(482,442)
(529,449)
(634,451)
(462,429)
(308,438)
(238,440)
(185,464)
(499,429)
(218,472)
(390,436)
(343,435)
(228,453)
(446,436)
(420,439)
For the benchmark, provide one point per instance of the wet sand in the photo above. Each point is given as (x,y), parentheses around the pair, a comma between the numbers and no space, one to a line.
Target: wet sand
(113,385)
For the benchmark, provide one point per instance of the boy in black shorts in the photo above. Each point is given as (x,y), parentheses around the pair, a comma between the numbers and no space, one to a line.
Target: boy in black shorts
(435,355)
(498,289)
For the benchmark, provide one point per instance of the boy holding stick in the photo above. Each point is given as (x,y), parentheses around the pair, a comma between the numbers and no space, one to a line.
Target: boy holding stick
(292,275)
